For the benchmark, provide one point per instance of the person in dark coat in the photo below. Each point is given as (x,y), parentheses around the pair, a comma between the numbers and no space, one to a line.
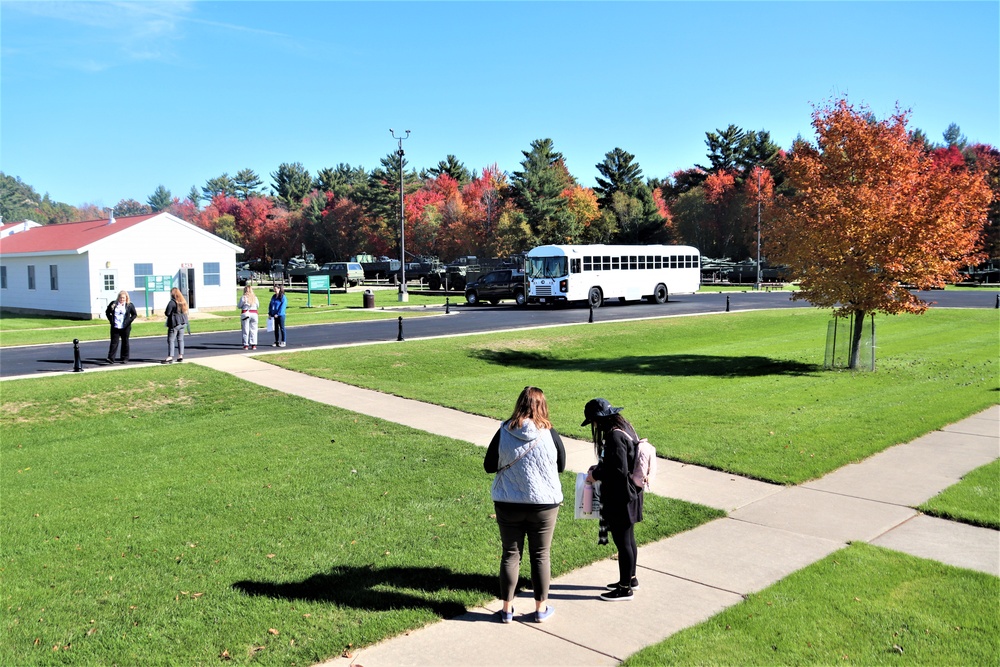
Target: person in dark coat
(621,501)
(120,313)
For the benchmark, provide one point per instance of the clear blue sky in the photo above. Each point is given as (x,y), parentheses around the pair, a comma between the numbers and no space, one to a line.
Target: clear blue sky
(105,101)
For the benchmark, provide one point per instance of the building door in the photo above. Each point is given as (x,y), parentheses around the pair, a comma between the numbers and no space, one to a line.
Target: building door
(185,283)
(107,289)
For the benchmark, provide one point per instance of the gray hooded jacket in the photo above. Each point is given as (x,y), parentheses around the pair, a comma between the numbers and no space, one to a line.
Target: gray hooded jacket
(532,479)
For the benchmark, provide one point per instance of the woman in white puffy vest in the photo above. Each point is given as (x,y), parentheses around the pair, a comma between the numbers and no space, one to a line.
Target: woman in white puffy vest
(527,456)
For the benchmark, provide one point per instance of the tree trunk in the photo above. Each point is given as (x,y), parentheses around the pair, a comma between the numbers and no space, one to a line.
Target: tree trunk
(859,324)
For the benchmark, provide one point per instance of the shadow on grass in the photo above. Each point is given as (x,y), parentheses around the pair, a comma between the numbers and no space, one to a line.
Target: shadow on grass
(678,365)
(379,589)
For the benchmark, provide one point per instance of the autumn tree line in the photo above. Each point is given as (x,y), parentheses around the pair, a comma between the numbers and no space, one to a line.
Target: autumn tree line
(451,211)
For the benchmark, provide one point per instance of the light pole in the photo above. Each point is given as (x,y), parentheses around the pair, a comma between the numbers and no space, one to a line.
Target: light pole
(403,296)
(757,286)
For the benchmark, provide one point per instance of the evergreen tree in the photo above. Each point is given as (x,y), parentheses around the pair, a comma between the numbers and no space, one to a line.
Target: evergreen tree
(618,172)
(220,185)
(246,183)
(18,200)
(194,195)
(340,180)
(953,137)
(538,189)
(291,183)
(160,200)
(452,166)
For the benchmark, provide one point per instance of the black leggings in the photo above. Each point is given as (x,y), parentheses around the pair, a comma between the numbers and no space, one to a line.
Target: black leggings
(628,553)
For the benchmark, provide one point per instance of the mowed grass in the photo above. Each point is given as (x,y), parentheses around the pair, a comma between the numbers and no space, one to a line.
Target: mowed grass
(179,516)
(742,392)
(21,330)
(974,500)
(862,605)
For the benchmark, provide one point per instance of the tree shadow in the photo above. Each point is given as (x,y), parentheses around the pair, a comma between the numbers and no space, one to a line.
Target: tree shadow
(677,365)
(379,589)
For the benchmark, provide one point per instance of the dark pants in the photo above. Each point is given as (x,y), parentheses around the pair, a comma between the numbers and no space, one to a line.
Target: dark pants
(539,526)
(279,328)
(628,553)
(116,336)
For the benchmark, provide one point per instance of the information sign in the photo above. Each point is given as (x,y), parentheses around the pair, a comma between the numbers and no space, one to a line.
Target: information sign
(318,283)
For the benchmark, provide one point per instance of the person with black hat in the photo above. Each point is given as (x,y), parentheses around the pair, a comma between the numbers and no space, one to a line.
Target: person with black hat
(621,502)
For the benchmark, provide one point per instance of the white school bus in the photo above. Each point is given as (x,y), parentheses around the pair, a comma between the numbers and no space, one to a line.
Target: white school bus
(595,273)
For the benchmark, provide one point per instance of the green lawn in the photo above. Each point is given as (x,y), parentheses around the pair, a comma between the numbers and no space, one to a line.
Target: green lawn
(174,515)
(975,500)
(742,392)
(19,330)
(859,606)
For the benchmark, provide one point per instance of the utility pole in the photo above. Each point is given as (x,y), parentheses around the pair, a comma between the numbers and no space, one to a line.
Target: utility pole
(757,286)
(403,295)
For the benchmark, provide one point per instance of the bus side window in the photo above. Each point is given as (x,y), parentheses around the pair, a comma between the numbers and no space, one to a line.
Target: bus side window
(642,262)
(574,265)
(673,261)
(607,263)
(588,263)
(690,262)
(615,264)
(657,262)
(633,262)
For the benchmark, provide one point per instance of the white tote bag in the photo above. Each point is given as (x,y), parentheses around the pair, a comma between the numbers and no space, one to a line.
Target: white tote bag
(584,507)
(270,324)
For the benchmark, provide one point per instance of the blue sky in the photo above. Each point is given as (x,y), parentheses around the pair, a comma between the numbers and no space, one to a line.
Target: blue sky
(105,101)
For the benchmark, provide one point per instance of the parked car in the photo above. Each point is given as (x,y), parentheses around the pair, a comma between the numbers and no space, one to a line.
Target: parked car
(496,286)
(342,273)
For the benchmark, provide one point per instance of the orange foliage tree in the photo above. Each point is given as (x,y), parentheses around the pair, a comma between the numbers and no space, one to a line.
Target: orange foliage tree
(870,213)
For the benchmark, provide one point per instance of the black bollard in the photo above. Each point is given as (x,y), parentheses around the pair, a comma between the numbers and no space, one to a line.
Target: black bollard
(591,319)
(998,301)
(447,306)
(77,364)
(400,337)
(727,303)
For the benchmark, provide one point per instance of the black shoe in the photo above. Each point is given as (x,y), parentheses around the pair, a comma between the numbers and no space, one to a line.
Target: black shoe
(618,595)
(110,360)
(634,585)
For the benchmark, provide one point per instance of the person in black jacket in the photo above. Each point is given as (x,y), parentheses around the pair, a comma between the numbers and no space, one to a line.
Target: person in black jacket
(120,313)
(621,501)
(177,319)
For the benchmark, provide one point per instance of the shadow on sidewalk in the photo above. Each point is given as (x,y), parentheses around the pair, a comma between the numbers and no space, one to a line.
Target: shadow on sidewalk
(380,589)
(679,365)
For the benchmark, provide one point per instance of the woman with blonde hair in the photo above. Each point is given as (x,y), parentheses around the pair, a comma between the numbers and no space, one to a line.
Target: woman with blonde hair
(121,313)
(177,318)
(527,456)
(248,318)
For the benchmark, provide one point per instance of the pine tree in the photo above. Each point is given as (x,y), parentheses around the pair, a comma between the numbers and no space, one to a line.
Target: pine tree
(246,183)
(160,200)
(538,189)
(291,183)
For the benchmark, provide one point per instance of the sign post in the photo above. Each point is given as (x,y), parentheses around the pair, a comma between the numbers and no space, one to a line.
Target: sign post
(157,284)
(317,283)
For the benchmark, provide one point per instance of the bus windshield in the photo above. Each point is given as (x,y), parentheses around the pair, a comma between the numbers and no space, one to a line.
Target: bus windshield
(547,267)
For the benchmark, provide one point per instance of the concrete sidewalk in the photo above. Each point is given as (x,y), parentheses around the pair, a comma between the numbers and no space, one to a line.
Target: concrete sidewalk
(771,531)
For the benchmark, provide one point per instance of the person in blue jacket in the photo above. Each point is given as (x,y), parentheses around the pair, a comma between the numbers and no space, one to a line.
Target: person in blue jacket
(276,311)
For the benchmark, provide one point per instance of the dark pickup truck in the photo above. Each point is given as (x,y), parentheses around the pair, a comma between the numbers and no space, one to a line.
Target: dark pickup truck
(497,285)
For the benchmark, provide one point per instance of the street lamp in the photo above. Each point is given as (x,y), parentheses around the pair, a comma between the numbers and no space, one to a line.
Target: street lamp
(403,296)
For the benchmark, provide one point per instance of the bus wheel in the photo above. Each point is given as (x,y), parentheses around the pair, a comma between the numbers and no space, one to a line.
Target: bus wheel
(594,298)
(519,298)
(660,294)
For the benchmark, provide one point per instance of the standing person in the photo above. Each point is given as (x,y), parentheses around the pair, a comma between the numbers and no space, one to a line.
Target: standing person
(248,318)
(276,311)
(527,456)
(621,502)
(121,313)
(177,318)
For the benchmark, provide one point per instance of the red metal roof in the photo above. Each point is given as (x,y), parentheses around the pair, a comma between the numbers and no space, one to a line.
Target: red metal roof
(66,237)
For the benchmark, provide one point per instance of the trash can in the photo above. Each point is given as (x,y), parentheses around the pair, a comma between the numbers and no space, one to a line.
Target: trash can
(369,298)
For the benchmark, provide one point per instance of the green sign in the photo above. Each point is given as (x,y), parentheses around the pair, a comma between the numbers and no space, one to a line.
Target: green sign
(159,283)
(318,283)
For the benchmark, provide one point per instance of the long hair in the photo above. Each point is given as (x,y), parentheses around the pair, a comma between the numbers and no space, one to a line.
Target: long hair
(531,405)
(602,427)
(126,296)
(249,295)
(182,304)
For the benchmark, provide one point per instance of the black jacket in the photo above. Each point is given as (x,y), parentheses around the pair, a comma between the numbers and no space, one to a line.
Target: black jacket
(621,501)
(175,318)
(130,314)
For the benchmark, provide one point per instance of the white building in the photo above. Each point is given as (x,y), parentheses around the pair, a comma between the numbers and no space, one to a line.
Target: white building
(75,269)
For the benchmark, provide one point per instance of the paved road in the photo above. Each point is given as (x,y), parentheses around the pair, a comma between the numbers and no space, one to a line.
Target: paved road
(43,359)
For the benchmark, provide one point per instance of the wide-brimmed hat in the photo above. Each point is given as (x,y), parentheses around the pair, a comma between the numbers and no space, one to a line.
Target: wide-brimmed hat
(597,408)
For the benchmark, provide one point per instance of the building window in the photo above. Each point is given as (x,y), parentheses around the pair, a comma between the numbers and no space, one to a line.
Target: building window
(53,277)
(109,282)
(211,273)
(141,271)
(31,277)
(3,277)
